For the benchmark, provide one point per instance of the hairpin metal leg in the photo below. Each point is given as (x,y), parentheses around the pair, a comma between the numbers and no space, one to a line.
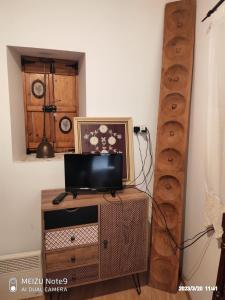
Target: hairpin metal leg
(58,296)
(50,296)
(137,283)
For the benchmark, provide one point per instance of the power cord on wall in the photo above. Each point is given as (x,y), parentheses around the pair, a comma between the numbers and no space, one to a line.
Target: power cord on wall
(196,267)
(158,212)
(155,205)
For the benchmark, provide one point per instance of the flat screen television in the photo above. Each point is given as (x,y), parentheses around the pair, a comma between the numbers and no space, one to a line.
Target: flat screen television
(93,172)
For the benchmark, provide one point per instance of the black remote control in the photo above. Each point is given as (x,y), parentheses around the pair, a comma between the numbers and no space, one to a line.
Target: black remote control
(59,198)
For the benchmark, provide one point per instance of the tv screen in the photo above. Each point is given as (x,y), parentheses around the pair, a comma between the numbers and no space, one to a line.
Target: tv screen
(99,172)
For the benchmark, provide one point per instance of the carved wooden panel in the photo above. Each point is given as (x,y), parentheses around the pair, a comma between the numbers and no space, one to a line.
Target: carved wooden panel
(172,142)
(123,247)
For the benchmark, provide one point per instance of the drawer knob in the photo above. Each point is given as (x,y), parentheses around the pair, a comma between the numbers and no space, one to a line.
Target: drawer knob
(72,238)
(73,259)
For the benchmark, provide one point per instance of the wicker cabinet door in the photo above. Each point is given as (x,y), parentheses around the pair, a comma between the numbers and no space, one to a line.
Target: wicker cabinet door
(123,238)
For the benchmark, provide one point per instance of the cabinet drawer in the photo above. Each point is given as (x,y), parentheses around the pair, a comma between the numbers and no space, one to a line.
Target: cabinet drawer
(72,258)
(70,237)
(70,217)
(75,276)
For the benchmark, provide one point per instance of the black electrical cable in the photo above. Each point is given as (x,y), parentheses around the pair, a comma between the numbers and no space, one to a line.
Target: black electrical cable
(211,11)
(182,248)
(163,216)
(151,158)
(143,163)
(133,181)
(144,180)
(204,231)
(146,155)
(149,148)
(114,201)
(156,204)
(151,163)
(168,231)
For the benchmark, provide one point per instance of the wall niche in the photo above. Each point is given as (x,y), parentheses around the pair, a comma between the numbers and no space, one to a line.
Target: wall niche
(41,79)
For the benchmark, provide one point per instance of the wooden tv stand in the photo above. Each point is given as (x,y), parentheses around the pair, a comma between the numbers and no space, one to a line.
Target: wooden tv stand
(94,237)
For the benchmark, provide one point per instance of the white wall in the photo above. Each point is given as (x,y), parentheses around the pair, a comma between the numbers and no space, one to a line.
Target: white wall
(16,105)
(206,275)
(122,41)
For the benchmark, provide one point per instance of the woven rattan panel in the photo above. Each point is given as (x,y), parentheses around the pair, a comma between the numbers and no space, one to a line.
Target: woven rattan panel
(123,238)
(75,276)
(77,236)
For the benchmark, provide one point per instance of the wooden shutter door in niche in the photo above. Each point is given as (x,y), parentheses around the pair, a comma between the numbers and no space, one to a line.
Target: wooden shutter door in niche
(65,95)
(123,238)
(61,91)
(172,141)
(35,122)
(64,130)
(33,106)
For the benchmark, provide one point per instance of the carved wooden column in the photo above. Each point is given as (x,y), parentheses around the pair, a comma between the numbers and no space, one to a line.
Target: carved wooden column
(172,143)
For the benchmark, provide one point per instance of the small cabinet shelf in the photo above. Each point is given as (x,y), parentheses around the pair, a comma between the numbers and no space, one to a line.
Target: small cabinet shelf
(90,239)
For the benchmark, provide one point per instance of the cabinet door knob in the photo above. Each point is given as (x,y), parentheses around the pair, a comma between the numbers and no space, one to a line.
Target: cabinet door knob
(105,243)
(73,259)
(72,238)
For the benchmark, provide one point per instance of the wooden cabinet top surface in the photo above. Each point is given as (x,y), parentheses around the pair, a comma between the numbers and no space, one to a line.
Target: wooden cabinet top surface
(128,194)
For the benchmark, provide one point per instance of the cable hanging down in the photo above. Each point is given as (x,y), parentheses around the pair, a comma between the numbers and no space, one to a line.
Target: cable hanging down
(156,207)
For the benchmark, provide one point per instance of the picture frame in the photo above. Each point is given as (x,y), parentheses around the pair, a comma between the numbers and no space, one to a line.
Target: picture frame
(38,88)
(106,135)
(65,125)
